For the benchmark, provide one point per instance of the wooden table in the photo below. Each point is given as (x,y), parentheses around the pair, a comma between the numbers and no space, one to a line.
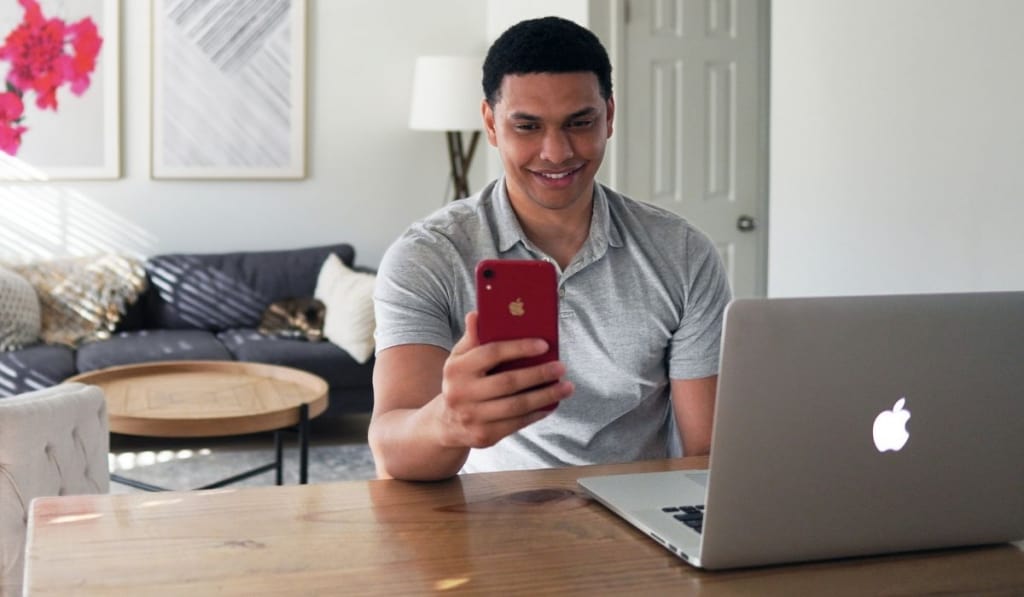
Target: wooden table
(211,399)
(524,532)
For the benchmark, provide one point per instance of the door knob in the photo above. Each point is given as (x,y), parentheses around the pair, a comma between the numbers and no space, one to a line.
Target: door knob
(745,223)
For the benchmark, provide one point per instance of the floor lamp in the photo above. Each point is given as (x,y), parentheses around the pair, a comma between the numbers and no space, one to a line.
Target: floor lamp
(446,95)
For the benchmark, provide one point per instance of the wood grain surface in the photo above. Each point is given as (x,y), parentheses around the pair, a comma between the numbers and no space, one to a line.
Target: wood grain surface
(509,533)
(205,398)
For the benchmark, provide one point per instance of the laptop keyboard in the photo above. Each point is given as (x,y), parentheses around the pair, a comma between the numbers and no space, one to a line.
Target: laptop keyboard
(691,516)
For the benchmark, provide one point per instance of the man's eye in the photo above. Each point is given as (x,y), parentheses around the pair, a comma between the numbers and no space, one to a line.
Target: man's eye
(525,127)
(579,124)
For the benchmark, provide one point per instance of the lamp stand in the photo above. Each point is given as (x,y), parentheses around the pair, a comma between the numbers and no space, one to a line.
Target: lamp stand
(460,158)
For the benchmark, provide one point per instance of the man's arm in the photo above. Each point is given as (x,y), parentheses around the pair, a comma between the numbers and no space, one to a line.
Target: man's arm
(693,402)
(431,406)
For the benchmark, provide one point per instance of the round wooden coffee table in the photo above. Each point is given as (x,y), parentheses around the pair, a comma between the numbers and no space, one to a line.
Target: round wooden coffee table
(211,399)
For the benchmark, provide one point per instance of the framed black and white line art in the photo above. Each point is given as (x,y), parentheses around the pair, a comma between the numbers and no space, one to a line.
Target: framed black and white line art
(228,89)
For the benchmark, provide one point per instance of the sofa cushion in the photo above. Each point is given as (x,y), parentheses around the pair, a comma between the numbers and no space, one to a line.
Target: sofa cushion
(126,348)
(348,297)
(328,361)
(83,298)
(230,290)
(20,319)
(35,367)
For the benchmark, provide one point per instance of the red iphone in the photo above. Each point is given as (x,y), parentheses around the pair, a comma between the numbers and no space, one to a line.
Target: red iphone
(518,299)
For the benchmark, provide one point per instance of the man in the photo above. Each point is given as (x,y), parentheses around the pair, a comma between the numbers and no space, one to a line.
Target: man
(641,293)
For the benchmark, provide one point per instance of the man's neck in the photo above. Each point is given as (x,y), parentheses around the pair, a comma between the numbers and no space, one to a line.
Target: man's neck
(559,233)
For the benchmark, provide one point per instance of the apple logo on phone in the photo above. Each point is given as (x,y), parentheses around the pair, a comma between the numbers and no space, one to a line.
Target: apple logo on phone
(890,429)
(516,308)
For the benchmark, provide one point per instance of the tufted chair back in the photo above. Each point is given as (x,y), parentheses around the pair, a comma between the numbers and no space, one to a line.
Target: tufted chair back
(52,442)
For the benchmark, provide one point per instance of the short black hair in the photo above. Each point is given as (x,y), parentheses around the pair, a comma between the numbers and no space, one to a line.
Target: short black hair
(545,45)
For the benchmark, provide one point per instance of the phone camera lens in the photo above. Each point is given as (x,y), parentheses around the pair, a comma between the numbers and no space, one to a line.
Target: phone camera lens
(488,274)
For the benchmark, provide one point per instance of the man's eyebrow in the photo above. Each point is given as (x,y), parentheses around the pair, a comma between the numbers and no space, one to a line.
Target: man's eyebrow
(523,116)
(589,111)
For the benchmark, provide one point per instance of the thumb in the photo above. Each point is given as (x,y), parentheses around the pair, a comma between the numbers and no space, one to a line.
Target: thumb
(469,338)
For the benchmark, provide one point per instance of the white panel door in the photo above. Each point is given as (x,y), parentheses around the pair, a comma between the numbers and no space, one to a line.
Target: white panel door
(694,114)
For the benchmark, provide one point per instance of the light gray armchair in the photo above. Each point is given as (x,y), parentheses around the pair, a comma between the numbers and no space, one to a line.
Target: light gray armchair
(52,442)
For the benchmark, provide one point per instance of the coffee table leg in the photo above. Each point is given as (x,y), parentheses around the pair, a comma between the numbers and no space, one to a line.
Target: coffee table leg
(136,484)
(278,458)
(303,443)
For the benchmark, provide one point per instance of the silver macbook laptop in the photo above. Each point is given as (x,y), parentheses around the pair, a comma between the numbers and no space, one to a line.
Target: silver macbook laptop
(849,426)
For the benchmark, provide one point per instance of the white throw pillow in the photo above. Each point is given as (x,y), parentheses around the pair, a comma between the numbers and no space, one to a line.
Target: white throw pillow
(348,296)
(20,317)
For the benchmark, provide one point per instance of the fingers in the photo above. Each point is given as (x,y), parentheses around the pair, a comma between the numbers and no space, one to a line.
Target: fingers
(538,398)
(515,381)
(492,420)
(466,379)
(469,360)
(480,408)
(486,436)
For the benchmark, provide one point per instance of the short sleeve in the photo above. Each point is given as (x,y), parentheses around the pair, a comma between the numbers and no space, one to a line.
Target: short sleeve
(695,345)
(413,296)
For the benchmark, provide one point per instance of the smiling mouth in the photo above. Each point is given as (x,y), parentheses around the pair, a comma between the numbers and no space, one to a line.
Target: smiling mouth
(554,176)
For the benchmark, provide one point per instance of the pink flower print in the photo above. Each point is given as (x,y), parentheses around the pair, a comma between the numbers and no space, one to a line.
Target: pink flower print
(11,109)
(35,49)
(86,42)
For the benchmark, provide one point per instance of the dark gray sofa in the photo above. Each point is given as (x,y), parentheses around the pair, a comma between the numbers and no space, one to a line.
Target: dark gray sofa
(207,307)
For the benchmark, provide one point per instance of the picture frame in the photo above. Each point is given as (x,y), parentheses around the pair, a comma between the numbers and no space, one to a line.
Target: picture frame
(228,89)
(60,107)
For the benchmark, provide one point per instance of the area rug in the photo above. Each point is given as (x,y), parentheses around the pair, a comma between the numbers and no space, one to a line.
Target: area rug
(196,464)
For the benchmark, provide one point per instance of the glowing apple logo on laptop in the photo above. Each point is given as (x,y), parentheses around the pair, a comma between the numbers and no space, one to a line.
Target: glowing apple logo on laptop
(890,430)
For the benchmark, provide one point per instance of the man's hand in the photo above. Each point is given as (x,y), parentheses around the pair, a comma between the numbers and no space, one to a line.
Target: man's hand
(431,407)
(477,409)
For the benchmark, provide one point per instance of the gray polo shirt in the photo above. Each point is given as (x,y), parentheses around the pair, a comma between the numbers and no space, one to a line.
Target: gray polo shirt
(640,304)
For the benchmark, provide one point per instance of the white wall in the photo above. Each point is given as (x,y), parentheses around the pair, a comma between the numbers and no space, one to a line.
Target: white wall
(897,144)
(369,175)
(502,14)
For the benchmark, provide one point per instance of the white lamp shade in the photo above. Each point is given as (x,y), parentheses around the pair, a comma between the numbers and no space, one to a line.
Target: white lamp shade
(446,94)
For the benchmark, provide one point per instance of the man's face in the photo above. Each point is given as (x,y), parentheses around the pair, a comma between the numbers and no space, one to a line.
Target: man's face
(551,131)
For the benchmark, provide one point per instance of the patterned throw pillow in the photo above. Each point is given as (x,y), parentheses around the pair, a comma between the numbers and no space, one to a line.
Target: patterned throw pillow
(19,311)
(83,298)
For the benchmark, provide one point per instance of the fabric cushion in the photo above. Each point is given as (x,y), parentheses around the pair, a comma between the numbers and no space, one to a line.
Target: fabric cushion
(126,348)
(229,290)
(348,295)
(35,367)
(328,361)
(82,298)
(20,319)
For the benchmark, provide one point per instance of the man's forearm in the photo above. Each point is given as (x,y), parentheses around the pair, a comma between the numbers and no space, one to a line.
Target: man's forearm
(701,447)
(693,402)
(406,446)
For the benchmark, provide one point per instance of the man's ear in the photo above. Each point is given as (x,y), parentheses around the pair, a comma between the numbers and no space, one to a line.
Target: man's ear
(488,115)
(610,105)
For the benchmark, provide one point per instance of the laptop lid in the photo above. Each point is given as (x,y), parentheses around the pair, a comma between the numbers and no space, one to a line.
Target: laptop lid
(849,426)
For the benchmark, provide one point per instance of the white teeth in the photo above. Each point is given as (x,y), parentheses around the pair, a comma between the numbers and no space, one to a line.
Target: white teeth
(555,176)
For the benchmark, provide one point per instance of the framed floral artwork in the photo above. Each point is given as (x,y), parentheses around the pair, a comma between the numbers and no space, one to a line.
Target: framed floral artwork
(59,115)
(228,89)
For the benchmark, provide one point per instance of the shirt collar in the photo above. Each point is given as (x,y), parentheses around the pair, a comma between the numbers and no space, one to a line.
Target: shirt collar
(509,231)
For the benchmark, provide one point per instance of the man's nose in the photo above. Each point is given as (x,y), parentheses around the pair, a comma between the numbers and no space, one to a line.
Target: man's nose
(556,147)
